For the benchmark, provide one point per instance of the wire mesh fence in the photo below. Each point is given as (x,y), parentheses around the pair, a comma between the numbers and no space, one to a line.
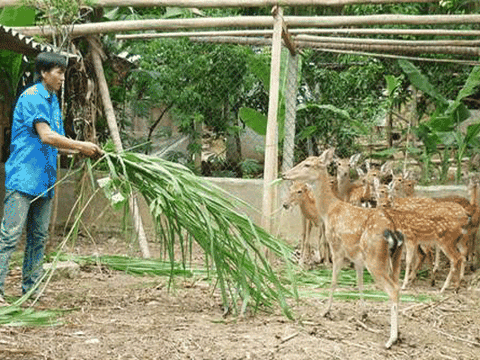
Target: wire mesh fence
(206,104)
(220,96)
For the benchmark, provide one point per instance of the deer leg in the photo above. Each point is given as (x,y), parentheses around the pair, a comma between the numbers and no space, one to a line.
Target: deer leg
(452,253)
(436,265)
(337,266)
(393,325)
(325,249)
(408,261)
(391,287)
(359,270)
(303,240)
(308,248)
(462,246)
(420,257)
(320,240)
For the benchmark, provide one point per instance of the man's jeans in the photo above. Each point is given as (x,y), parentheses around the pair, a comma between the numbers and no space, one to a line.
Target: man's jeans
(20,209)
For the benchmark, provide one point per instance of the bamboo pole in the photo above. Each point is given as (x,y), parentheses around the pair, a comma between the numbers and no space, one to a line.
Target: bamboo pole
(229,3)
(253,21)
(268,33)
(398,48)
(112,125)
(270,171)
(393,56)
(346,40)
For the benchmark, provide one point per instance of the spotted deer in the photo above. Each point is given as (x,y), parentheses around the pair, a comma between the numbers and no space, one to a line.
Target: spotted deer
(426,222)
(365,236)
(345,186)
(301,194)
(360,192)
(473,196)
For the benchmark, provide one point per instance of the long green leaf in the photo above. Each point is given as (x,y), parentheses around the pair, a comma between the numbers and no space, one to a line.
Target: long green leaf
(182,203)
(421,82)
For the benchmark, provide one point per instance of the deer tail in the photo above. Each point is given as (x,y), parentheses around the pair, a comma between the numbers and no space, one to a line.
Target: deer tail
(394,240)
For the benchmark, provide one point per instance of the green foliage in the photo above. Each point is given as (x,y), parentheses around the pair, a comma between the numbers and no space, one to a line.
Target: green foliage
(11,64)
(444,124)
(199,82)
(187,208)
(340,97)
(251,168)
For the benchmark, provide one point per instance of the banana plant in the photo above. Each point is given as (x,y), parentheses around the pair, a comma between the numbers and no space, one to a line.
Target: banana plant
(255,119)
(444,124)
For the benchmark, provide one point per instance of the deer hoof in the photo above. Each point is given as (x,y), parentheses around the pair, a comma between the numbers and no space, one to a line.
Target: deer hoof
(389,343)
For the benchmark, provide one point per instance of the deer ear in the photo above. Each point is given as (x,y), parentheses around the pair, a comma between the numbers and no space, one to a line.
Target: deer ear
(387,167)
(354,159)
(327,156)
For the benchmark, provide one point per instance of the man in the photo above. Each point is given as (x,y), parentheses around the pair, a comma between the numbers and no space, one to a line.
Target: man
(37,136)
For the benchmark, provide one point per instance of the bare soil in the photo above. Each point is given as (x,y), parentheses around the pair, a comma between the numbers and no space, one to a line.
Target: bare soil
(110,315)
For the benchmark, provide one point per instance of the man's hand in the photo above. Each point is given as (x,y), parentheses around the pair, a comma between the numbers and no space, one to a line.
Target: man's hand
(49,137)
(91,150)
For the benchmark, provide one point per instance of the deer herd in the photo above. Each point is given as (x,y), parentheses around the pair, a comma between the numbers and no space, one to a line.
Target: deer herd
(369,221)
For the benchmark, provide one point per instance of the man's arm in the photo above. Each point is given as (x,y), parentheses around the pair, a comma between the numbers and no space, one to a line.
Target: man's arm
(49,137)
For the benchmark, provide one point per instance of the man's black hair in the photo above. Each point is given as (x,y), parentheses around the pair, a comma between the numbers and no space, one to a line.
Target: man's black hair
(46,61)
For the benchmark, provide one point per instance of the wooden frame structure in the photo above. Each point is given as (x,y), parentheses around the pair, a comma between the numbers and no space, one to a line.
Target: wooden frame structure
(295,31)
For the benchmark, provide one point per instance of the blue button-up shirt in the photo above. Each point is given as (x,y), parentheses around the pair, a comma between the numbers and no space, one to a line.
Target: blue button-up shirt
(32,165)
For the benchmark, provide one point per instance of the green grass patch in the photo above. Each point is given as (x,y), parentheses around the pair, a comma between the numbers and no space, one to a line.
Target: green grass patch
(316,284)
(16,316)
(137,266)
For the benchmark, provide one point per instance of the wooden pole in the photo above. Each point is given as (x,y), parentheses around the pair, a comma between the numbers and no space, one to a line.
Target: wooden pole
(253,21)
(317,47)
(112,125)
(229,3)
(268,33)
(363,41)
(271,139)
(398,49)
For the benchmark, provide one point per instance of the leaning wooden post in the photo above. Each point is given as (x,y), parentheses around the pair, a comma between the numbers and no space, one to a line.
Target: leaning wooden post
(271,140)
(112,125)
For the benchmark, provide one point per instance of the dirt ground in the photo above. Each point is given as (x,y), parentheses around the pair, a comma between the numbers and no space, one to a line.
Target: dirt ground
(110,315)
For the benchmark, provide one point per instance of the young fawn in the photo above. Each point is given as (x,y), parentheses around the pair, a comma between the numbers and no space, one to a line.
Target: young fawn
(301,194)
(365,236)
(424,222)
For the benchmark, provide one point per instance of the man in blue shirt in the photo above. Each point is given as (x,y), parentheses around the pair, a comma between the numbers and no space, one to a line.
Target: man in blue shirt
(36,138)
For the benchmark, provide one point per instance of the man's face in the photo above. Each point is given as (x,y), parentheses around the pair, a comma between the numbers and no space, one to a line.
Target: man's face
(53,79)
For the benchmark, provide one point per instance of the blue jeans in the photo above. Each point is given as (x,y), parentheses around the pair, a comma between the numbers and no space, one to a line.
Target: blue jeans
(20,209)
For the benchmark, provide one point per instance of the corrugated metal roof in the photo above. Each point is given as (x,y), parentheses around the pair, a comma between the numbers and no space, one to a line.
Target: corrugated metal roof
(11,39)
(15,41)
